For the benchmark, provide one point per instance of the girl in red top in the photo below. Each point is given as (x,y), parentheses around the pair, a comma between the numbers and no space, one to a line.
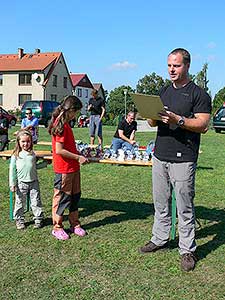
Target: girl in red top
(66,165)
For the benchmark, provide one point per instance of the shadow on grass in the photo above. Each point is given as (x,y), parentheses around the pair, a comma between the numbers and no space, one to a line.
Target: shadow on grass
(128,210)
(204,168)
(212,219)
(216,224)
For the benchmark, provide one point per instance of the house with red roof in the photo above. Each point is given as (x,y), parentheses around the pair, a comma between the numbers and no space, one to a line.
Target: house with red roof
(100,89)
(33,76)
(82,88)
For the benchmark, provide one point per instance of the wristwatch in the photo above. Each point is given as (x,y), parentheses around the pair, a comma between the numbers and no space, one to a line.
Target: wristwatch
(181,121)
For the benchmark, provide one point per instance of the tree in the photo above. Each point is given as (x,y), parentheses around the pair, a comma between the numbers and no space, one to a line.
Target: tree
(219,99)
(151,84)
(201,78)
(116,101)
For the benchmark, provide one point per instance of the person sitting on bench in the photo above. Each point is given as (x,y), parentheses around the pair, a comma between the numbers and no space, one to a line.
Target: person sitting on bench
(125,133)
(30,123)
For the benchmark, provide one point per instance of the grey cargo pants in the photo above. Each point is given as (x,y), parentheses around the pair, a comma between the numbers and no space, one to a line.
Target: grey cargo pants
(180,177)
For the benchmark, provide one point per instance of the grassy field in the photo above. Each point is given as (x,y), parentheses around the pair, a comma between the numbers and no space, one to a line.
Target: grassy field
(117,211)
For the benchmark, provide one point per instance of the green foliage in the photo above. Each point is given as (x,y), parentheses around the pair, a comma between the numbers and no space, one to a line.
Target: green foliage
(110,119)
(219,99)
(16,112)
(116,101)
(201,78)
(150,84)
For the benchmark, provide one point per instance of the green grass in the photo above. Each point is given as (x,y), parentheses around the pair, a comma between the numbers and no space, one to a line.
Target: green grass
(117,211)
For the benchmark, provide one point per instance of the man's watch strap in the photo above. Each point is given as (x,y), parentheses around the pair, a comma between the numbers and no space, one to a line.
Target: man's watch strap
(181,121)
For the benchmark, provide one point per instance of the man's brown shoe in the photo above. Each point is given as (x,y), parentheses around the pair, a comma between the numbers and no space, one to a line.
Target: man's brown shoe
(188,262)
(151,247)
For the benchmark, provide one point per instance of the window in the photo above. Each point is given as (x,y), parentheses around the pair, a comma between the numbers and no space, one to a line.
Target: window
(24,97)
(25,79)
(86,93)
(65,82)
(79,92)
(1,99)
(53,97)
(54,80)
(1,79)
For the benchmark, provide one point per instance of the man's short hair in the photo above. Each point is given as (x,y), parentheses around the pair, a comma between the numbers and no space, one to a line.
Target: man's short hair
(186,55)
(29,109)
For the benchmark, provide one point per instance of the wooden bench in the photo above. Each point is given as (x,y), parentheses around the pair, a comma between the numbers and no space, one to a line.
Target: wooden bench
(39,153)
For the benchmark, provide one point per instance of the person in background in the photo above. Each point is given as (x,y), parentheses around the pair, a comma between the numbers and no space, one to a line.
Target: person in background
(30,122)
(66,165)
(186,116)
(4,127)
(125,133)
(23,179)
(96,106)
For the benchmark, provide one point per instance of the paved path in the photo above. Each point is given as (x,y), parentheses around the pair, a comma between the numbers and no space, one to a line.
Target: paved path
(143,126)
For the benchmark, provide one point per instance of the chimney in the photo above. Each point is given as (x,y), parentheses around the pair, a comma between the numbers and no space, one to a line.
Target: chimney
(37,51)
(20,53)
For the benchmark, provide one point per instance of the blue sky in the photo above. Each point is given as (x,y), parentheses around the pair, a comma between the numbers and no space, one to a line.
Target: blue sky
(119,42)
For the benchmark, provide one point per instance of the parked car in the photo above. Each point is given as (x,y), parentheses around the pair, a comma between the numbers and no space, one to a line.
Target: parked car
(42,109)
(10,117)
(219,119)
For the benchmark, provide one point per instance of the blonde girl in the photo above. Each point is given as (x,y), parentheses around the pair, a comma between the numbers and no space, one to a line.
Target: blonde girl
(23,180)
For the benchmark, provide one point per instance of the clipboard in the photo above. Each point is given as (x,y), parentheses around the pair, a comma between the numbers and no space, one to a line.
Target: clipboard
(148,106)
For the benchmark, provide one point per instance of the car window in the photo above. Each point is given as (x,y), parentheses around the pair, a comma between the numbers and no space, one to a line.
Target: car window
(31,104)
(221,112)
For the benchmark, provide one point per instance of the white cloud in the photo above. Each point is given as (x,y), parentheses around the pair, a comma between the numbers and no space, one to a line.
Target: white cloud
(211,58)
(123,65)
(196,57)
(211,45)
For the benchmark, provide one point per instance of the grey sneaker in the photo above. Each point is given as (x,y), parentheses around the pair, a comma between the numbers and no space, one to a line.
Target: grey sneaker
(151,247)
(20,225)
(38,224)
(188,262)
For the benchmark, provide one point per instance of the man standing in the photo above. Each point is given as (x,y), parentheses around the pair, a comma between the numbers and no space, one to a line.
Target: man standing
(31,123)
(125,133)
(96,106)
(186,116)
(4,126)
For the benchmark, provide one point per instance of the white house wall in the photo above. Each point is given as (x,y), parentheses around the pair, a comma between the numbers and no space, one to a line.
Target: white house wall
(11,90)
(83,98)
(61,71)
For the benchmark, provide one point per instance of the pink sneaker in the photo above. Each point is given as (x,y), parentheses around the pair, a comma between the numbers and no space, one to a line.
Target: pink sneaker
(60,234)
(78,231)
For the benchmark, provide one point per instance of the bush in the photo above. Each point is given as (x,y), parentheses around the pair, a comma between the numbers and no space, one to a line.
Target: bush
(16,112)
(111,120)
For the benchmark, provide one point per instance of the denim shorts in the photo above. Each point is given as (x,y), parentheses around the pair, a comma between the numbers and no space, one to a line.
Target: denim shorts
(95,126)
